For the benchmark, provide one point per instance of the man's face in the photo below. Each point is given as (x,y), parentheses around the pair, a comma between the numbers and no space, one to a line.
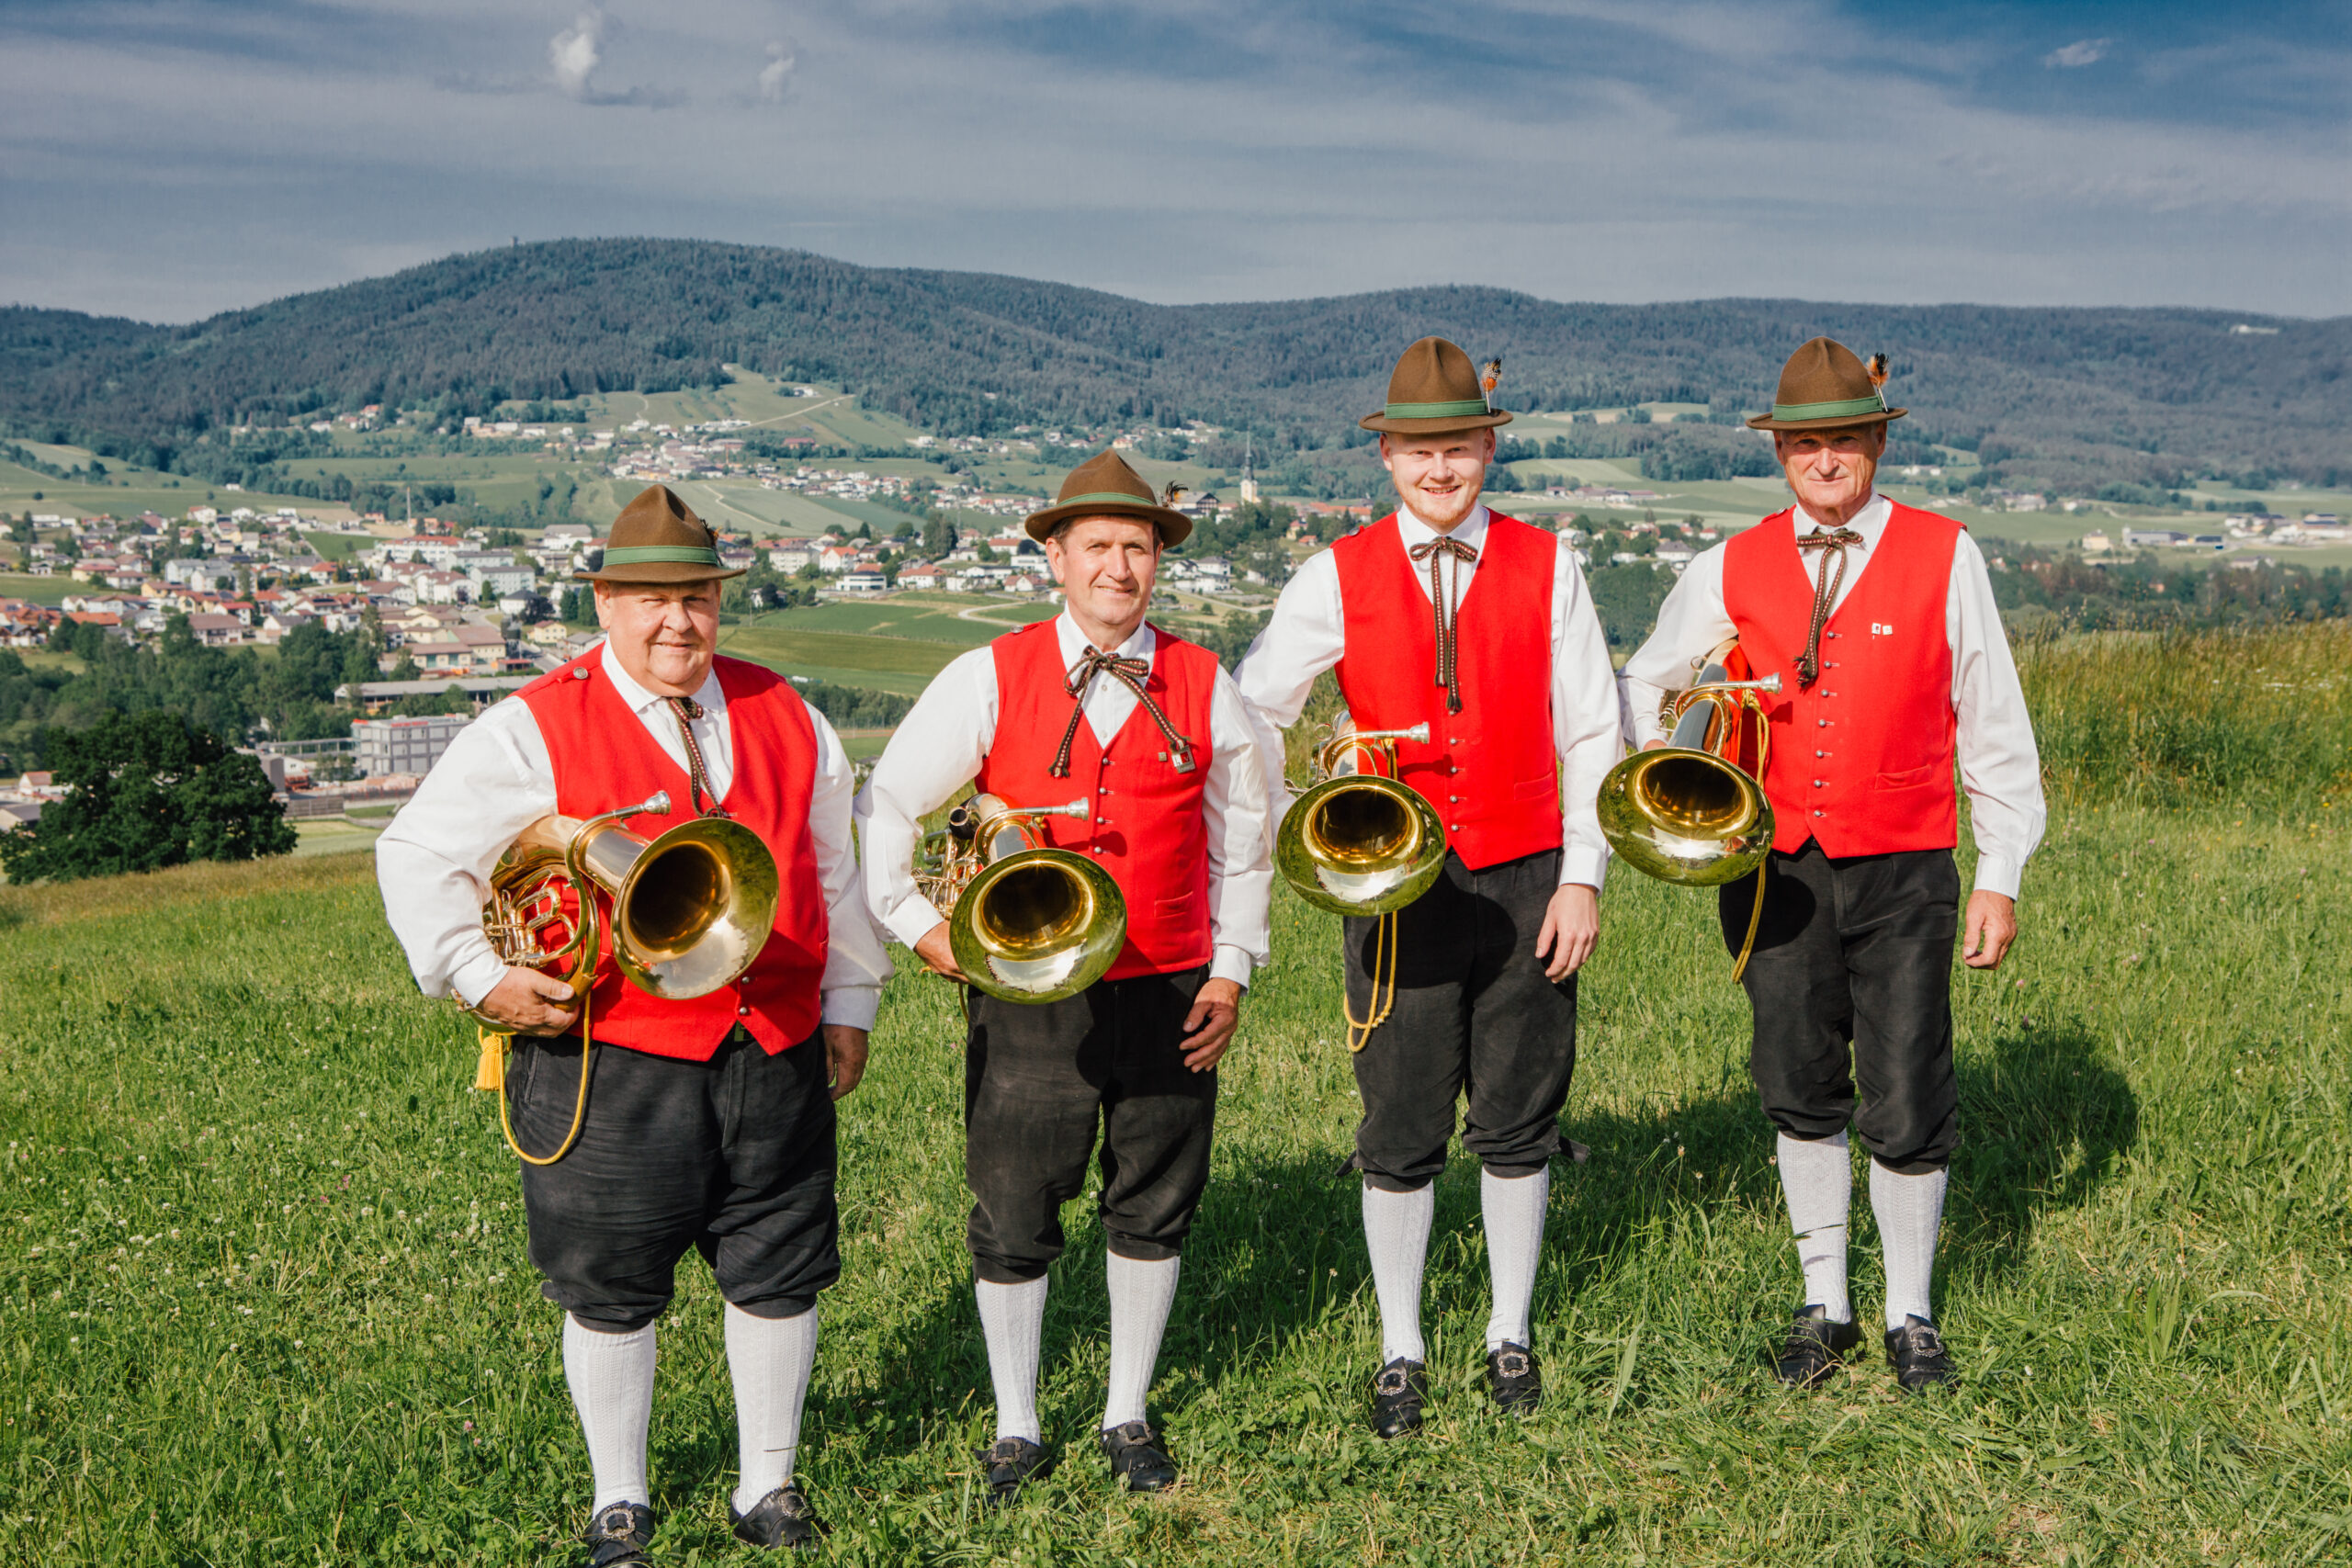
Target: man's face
(664,634)
(1105,566)
(1831,471)
(1439,476)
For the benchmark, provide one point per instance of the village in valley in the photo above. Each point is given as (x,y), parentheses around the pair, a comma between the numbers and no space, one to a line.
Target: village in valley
(872,551)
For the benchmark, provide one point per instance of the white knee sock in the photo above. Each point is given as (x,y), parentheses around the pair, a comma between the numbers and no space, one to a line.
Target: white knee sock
(771,1359)
(1396,1230)
(1909,1209)
(1012,1320)
(1514,1207)
(1817,1178)
(1141,1294)
(612,1387)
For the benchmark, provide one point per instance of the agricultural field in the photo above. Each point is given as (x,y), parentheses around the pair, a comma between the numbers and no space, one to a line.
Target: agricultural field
(267,1301)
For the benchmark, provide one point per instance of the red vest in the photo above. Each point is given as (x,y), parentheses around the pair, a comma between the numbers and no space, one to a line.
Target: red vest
(1863,759)
(605,759)
(1147,830)
(1491,770)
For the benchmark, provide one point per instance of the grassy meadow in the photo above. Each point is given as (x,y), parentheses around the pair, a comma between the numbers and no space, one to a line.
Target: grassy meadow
(267,1301)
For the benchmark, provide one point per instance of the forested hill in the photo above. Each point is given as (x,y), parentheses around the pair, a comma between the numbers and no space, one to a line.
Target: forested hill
(2059,395)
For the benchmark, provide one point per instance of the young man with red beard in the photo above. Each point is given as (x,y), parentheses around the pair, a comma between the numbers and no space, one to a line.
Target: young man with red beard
(1479,626)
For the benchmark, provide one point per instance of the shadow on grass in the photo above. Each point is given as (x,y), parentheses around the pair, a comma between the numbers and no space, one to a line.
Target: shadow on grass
(2044,1118)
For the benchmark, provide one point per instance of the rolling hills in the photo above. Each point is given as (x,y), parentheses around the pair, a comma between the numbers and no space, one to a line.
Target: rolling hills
(2069,397)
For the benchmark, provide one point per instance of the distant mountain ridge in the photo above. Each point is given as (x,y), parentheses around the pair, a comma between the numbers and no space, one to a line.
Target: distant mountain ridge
(2060,396)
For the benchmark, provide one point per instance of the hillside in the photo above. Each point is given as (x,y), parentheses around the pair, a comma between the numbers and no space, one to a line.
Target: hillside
(2065,397)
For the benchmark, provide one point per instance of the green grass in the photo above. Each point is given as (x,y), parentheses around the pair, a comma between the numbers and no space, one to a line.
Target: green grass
(51,590)
(267,1301)
(879,663)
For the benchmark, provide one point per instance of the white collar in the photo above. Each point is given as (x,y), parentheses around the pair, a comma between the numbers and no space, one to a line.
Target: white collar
(1870,522)
(638,699)
(1074,646)
(1470,530)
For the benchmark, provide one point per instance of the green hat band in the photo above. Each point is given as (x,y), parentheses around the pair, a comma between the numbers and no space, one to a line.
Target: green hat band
(1842,409)
(646,555)
(1110,498)
(1463,408)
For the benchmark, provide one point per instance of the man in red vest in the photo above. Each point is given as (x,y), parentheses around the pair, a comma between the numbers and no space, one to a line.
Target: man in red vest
(1479,626)
(1099,704)
(1880,621)
(709,1123)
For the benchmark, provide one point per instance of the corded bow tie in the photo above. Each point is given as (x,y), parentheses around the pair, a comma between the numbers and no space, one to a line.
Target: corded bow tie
(1442,605)
(1130,673)
(1825,593)
(697,779)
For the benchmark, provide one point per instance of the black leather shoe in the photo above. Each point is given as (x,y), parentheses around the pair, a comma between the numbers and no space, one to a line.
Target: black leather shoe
(1814,1347)
(1916,1351)
(617,1537)
(1011,1463)
(1514,1379)
(1136,1458)
(1399,1392)
(781,1519)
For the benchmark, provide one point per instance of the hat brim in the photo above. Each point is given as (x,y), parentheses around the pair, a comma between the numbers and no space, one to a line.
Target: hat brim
(1172,525)
(1388,426)
(659,572)
(1841,422)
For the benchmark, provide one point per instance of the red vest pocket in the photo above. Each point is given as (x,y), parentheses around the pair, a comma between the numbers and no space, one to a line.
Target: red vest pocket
(1546,787)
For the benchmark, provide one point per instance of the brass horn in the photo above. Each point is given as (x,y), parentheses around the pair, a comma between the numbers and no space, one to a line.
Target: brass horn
(1027,923)
(1688,813)
(1361,843)
(688,913)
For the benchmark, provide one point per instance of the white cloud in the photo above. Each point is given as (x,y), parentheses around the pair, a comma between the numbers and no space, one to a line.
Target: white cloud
(573,53)
(776,74)
(2081,52)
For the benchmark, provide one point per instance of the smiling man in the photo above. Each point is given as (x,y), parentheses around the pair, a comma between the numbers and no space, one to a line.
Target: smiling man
(707,1127)
(1478,625)
(1098,704)
(1880,621)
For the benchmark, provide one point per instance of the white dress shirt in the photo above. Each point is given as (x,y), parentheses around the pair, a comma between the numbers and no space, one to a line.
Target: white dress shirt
(495,780)
(1999,766)
(943,740)
(1309,632)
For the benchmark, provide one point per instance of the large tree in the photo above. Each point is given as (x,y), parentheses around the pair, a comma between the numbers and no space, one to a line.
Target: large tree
(143,791)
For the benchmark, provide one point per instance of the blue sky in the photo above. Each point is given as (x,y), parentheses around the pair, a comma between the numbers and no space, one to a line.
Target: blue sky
(165,159)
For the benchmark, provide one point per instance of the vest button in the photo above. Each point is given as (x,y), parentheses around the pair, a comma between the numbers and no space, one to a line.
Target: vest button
(1817,783)
(743,1013)
(1820,813)
(1822,722)
(1104,790)
(1453,827)
(1451,799)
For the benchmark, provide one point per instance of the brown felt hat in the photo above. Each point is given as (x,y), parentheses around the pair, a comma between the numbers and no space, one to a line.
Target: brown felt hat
(658,538)
(1104,486)
(1434,389)
(1824,386)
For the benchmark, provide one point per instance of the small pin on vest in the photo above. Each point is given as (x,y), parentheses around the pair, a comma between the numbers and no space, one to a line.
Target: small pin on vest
(580,673)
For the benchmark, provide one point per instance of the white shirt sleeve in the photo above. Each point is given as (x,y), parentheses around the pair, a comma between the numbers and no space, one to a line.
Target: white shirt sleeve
(1239,828)
(433,864)
(1304,636)
(1691,623)
(2000,767)
(856,961)
(937,749)
(1587,723)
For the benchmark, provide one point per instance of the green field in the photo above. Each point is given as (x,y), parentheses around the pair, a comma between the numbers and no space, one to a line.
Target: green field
(267,1301)
(879,663)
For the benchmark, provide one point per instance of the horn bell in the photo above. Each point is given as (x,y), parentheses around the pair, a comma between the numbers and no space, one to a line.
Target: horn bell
(692,907)
(1037,925)
(1686,817)
(1361,844)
